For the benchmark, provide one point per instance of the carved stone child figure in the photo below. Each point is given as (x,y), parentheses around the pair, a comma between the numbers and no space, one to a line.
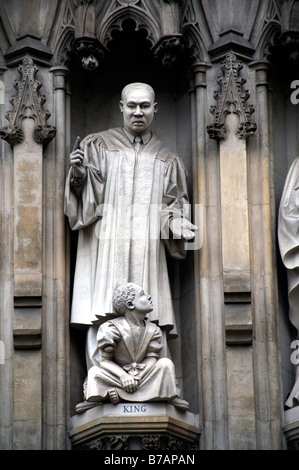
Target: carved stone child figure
(129,365)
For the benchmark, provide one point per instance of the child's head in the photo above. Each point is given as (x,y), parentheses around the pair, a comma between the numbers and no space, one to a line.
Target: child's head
(129,296)
(123,295)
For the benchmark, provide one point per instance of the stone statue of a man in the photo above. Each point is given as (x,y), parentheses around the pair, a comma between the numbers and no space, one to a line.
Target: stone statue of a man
(126,193)
(288,237)
(129,367)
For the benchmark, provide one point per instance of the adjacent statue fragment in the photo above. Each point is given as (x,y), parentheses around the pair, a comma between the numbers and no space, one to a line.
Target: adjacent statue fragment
(288,236)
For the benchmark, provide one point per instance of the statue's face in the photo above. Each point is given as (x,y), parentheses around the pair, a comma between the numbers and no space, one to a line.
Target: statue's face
(143,301)
(138,108)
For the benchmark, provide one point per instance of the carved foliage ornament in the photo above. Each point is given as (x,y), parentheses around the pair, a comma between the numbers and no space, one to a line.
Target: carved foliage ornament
(27,103)
(231,98)
(169,50)
(149,442)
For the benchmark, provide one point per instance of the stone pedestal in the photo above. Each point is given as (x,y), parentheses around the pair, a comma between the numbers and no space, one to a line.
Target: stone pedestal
(135,426)
(291,427)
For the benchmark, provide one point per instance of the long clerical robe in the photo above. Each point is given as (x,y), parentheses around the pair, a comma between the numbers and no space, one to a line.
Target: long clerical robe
(123,213)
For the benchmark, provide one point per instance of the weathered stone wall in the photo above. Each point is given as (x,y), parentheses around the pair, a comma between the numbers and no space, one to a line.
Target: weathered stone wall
(225,108)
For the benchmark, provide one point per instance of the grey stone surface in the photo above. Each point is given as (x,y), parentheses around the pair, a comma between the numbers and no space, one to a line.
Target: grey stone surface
(181,56)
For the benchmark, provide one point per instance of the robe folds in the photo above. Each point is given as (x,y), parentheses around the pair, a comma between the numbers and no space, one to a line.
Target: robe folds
(117,343)
(123,213)
(288,238)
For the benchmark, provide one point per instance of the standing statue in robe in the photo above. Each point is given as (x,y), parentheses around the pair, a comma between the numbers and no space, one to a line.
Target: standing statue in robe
(288,237)
(126,193)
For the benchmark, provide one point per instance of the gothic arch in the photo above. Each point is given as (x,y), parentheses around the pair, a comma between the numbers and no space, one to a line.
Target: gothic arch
(141,19)
(293,14)
(267,41)
(195,43)
(63,46)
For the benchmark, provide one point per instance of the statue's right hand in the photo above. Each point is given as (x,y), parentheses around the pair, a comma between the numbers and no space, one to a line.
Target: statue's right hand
(77,163)
(77,157)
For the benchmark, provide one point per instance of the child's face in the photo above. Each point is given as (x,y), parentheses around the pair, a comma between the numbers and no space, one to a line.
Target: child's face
(143,301)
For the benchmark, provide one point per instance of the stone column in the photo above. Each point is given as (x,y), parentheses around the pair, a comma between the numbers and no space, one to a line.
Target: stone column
(56,282)
(230,325)
(28,171)
(266,361)
(208,288)
(27,134)
(236,287)
(28,202)
(6,288)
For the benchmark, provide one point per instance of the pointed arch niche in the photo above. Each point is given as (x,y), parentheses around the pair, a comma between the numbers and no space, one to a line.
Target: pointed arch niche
(95,99)
(284,119)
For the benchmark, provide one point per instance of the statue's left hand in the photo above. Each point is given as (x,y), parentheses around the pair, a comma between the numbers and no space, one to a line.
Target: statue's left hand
(183,228)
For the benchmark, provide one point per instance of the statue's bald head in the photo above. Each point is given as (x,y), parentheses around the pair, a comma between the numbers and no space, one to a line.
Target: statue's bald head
(138,107)
(135,85)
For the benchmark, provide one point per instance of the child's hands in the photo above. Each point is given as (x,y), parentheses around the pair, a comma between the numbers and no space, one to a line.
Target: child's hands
(129,384)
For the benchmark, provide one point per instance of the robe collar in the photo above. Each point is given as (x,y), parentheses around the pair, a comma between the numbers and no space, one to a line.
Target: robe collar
(126,333)
(145,137)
